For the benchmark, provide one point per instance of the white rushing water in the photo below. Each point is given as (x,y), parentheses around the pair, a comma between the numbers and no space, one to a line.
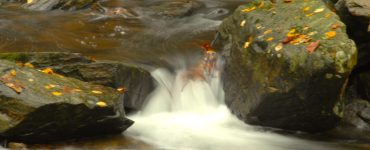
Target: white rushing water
(185,114)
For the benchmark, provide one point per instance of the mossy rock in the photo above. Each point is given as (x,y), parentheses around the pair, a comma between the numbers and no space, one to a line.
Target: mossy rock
(40,107)
(273,78)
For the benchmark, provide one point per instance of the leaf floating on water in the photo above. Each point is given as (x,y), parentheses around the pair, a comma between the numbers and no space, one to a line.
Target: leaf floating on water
(330,34)
(312,46)
(249,9)
(56,93)
(97,92)
(101,104)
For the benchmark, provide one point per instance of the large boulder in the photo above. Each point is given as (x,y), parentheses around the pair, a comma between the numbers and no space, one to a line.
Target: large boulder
(356,15)
(42,106)
(42,5)
(136,80)
(287,64)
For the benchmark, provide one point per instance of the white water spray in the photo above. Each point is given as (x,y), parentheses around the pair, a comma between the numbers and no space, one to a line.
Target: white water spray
(190,114)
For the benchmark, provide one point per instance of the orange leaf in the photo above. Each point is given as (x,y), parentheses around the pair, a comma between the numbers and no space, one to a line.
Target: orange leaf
(330,34)
(312,46)
(29,65)
(122,89)
(47,71)
(13,72)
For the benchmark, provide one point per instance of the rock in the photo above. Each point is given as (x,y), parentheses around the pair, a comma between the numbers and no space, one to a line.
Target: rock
(356,15)
(18,146)
(361,84)
(175,9)
(44,5)
(136,80)
(286,64)
(355,123)
(47,107)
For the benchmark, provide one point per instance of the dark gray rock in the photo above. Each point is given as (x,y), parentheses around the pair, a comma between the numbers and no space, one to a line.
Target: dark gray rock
(136,80)
(44,5)
(273,78)
(46,107)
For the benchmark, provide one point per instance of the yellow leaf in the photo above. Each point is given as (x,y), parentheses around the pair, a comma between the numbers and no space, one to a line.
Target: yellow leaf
(13,72)
(270,39)
(306,9)
(319,10)
(268,31)
(47,71)
(29,1)
(330,34)
(30,80)
(122,89)
(243,23)
(29,65)
(279,47)
(101,104)
(249,9)
(77,90)
(97,92)
(56,93)
(49,86)
(261,4)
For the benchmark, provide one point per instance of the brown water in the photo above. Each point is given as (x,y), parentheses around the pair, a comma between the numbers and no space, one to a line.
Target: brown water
(144,39)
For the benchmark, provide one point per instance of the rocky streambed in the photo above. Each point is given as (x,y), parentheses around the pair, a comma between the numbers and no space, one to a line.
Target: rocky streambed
(72,70)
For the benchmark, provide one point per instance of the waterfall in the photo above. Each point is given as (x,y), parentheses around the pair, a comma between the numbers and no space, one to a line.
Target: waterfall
(189,113)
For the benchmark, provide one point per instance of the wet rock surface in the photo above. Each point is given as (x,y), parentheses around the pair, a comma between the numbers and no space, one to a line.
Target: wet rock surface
(136,80)
(174,9)
(44,5)
(286,64)
(45,107)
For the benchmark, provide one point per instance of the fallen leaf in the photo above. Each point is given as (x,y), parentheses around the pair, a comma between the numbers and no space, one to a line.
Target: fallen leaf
(97,92)
(122,89)
(30,80)
(319,10)
(268,31)
(101,104)
(270,39)
(29,65)
(47,71)
(242,24)
(288,1)
(261,4)
(249,9)
(29,1)
(279,47)
(248,43)
(56,93)
(76,90)
(13,72)
(330,34)
(306,9)
(50,86)
(16,87)
(335,26)
(312,46)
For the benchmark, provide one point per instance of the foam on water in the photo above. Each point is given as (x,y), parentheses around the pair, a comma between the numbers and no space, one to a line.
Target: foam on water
(191,115)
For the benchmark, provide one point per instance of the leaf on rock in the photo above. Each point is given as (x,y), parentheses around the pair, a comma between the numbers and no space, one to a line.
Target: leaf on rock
(13,72)
(330,34)
(270,39)
(319,10)
(101,104)
(279,47)
(249,9)
(242,24)
(29,65)
(312,46)
(122,89)
(47,71)
(29,1)
(56,93)
(97,92)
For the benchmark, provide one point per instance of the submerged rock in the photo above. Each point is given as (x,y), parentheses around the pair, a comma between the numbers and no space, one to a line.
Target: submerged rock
(287,64)
(179,8)
(42,5)
(43,106)
(137,81)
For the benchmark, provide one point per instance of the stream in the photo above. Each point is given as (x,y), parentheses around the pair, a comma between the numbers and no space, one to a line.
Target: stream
(181,114)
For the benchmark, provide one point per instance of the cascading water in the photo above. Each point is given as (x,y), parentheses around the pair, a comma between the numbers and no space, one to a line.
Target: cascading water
(190,114)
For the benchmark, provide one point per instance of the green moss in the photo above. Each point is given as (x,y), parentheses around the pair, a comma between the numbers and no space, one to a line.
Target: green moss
(14,57)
